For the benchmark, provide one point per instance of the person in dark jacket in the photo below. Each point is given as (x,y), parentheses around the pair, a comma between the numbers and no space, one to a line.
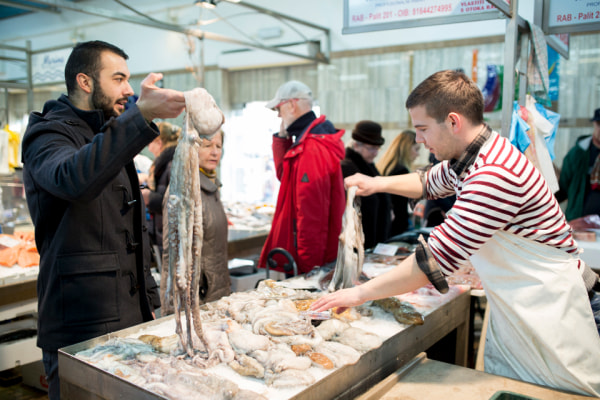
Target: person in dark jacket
(580,175)
(163,148)
(84,199)
(398,160)
(376,208)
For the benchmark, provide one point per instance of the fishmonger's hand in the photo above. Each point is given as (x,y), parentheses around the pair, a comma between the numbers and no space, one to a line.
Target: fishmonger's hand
(366,184)
(342,299)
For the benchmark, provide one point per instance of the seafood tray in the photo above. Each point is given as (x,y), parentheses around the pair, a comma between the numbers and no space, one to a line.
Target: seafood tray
(82,380)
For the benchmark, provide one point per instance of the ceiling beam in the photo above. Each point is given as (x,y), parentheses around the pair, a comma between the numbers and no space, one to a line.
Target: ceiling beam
(109,14)
(22,6)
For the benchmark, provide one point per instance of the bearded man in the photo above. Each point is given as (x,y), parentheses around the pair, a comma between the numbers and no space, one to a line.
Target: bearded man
(85,203)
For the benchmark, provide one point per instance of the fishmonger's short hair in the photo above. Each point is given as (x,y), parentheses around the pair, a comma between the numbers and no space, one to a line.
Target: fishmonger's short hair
(448,91)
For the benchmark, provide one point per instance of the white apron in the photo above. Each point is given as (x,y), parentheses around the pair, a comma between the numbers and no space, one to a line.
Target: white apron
(541,326)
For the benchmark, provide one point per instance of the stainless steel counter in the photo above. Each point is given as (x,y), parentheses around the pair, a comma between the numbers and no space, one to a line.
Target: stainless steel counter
(80,380)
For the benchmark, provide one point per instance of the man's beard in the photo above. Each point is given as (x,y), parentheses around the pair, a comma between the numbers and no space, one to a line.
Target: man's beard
(102,102)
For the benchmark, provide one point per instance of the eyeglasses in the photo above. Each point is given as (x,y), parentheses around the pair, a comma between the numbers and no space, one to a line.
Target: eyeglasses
(282,102)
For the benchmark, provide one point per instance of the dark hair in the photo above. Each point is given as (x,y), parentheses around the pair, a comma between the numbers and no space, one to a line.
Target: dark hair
(448,91)
(85,58)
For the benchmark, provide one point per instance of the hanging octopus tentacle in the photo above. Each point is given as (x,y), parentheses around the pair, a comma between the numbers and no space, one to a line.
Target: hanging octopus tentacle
(183,210)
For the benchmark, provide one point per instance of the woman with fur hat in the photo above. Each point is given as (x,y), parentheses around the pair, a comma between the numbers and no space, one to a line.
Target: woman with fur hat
(360,155)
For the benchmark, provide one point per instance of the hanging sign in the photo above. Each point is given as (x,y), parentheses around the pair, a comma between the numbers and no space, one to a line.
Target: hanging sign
(49,67)
(376,15)
(567,16)
(559,42)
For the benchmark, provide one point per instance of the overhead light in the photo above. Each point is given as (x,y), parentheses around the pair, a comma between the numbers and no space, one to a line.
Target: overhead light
(206,3)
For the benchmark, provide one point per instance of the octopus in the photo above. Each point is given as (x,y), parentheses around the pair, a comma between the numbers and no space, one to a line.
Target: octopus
(331,328)
(289,378)
(247,366)
(359,339)
(183,218)
(351,246)
(281,357)
(339,353)
(244,341)
(317,358)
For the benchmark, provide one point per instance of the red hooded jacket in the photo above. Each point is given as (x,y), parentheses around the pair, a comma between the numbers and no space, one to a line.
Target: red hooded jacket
(308,216)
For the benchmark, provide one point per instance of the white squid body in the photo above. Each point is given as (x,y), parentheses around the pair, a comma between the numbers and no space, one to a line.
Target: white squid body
(182,212)
(351,247)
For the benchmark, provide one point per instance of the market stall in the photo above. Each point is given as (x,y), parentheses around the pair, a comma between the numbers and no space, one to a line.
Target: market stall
(18,278)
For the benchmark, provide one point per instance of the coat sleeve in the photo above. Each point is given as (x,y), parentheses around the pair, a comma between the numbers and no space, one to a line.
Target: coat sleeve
(318,177)
(152,290)
(73,172)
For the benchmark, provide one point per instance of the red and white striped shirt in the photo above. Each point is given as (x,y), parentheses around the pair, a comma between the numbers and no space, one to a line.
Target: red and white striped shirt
(500,190)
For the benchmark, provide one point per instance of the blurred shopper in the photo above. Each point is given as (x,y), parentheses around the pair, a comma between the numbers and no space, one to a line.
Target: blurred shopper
(398,160)
(436,210)
(163,148)
(84,199)
(580,175)
(376,208)
(307,152)
(215,281)
(508,224)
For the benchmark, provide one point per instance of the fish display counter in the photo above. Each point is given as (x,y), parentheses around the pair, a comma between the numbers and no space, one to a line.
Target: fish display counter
(19,266)
(264,344)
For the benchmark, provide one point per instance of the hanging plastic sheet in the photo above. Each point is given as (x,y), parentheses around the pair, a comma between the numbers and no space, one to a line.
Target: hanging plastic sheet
(537,67)
(533,130)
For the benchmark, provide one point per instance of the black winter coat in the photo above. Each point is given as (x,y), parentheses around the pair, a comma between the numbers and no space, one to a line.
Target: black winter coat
(84,199)
(399,205)
(375,209)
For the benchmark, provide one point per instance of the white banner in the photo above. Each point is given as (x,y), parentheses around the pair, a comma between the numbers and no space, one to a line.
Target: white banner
(49,67)
(361,13)
(565,16)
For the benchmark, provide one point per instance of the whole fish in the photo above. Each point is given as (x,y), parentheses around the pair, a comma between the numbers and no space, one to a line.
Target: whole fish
(402,311)
(351,246)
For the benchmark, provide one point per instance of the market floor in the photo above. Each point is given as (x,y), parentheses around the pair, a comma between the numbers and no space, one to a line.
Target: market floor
(13,388)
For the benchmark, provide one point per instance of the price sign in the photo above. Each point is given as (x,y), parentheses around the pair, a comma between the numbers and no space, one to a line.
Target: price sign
(566,16)
(373,15)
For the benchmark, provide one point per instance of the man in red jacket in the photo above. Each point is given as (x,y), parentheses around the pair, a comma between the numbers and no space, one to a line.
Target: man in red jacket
(307,152)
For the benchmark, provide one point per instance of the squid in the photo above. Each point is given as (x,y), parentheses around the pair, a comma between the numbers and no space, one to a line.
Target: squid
(182,211)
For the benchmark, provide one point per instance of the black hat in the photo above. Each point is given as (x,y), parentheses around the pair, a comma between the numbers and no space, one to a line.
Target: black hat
(368,132)
(596,115)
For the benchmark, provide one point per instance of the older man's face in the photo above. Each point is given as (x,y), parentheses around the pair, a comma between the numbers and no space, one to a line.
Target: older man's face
(285,111)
